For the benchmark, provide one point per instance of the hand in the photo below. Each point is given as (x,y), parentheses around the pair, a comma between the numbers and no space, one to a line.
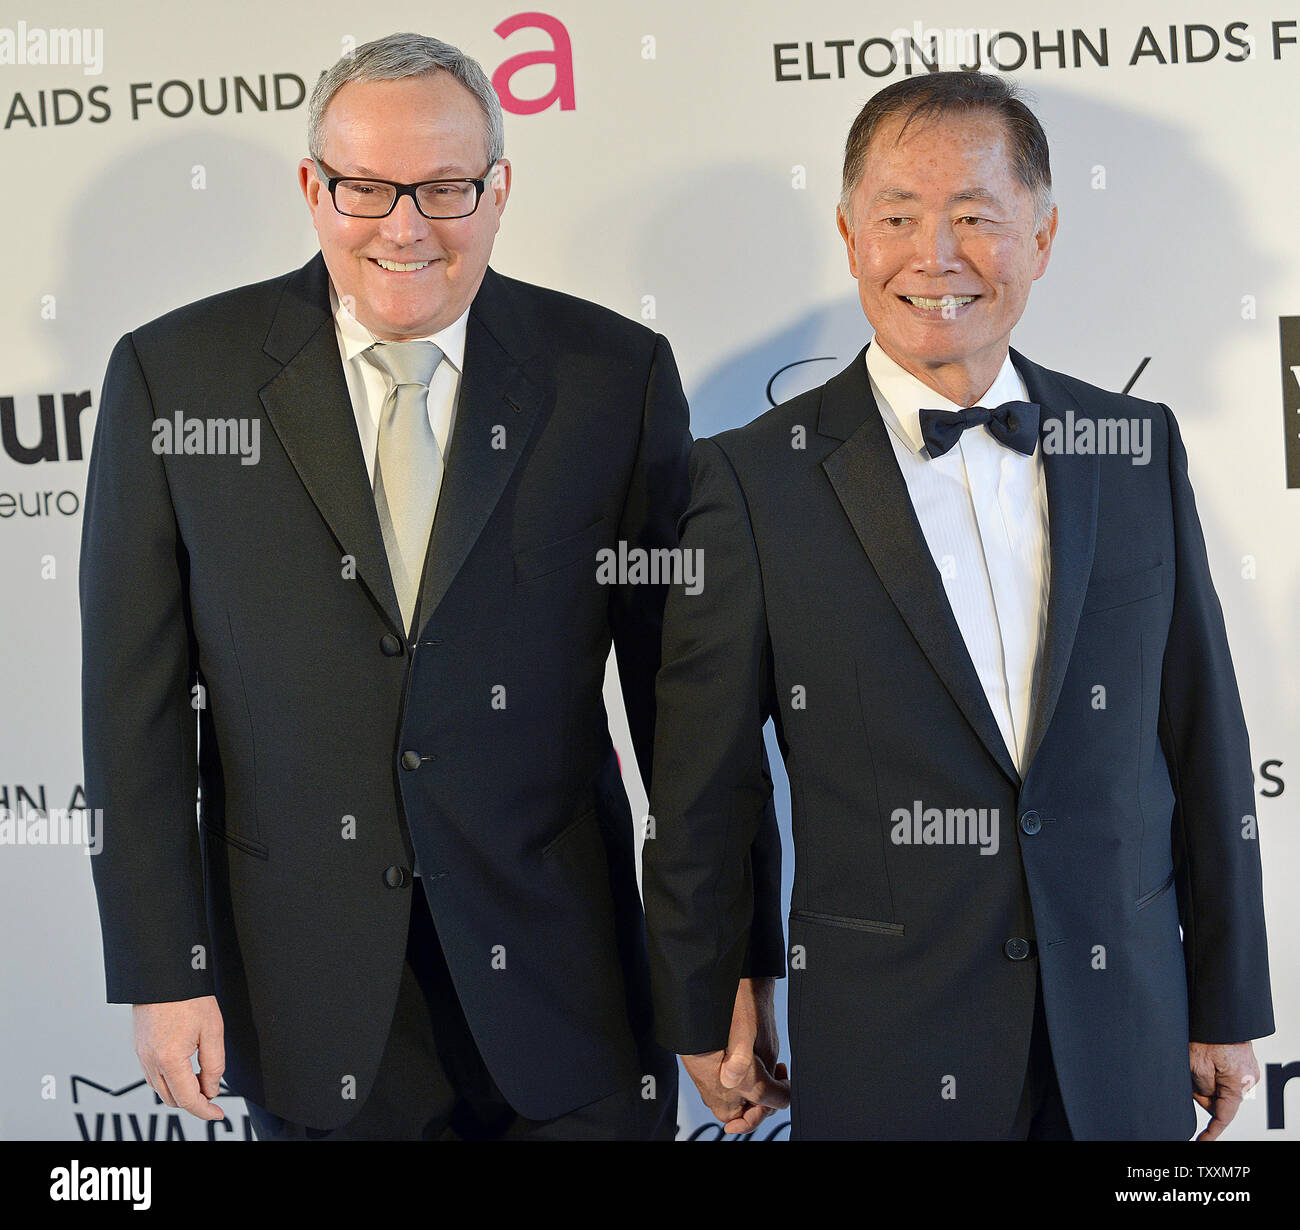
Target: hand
(166,1035)
(1221,1076)
(744,1084)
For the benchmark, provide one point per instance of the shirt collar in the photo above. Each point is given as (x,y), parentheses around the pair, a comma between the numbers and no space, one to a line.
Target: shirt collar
(354,337)
(901,396)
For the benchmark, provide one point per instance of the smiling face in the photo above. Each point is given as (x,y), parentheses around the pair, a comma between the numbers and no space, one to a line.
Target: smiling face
(942,214)
(410,130)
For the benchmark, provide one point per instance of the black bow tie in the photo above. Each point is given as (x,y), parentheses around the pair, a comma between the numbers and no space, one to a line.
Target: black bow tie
(1013,423)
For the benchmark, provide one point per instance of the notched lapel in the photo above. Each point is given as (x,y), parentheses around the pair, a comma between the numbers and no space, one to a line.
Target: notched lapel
(500,400)
(865,475)
(311,412)
(1072,494)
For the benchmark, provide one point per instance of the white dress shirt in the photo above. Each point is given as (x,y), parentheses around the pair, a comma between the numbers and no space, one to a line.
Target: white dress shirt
(983,510)
(368,387)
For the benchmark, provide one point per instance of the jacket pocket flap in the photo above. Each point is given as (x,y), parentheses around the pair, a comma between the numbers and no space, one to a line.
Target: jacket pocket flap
(1111,592)
(552,556)
(849,923)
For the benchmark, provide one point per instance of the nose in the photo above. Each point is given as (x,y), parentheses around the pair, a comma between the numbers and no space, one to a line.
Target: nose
(405,225)
(938,248)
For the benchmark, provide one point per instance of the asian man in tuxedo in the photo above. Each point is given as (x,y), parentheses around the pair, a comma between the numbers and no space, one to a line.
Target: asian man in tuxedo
(374,646)
(999,677)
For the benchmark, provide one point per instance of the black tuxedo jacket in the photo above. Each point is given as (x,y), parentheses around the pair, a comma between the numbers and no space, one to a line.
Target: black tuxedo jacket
(242,637)
(913,966)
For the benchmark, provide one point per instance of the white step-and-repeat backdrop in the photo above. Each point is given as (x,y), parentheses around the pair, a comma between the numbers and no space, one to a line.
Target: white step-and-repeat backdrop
(149,157)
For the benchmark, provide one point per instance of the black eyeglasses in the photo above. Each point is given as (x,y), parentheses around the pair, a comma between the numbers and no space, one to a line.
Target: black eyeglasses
(436,199)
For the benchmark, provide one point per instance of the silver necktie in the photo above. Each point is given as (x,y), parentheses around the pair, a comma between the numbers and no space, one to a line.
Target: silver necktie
(408,463)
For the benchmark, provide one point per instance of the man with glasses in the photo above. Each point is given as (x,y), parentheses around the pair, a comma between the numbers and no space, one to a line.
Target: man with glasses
(410,909)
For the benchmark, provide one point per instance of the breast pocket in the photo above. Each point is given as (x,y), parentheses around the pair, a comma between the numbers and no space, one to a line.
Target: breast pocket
(539,561)
(1106,593)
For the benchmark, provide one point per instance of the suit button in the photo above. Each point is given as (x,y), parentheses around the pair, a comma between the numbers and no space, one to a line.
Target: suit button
(397,877)
(390,645)
(1016,948)
(1031,822)
(410,760)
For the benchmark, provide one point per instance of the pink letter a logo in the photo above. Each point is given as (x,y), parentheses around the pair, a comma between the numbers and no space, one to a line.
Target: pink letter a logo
(560,55)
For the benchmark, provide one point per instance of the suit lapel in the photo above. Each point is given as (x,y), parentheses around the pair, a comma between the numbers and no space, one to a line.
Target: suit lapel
(865,475)
(310,410)
(499,402)
(1072,487)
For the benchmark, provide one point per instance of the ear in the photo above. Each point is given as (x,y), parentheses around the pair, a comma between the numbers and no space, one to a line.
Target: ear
(1044,237)
(310,184)
(847,235)
(499,184)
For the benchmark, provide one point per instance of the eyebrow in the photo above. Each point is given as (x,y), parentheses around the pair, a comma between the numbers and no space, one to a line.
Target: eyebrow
(890,195)
(448,170)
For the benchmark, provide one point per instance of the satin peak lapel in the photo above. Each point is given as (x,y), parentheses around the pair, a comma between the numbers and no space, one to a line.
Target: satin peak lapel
(865,475)
(1072,494)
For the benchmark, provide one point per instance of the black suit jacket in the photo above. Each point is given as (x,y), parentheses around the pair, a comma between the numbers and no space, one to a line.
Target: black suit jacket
(913,967)
(260,595)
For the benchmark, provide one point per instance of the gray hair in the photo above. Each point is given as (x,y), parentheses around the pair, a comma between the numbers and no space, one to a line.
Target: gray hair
(935,95)
(395,57)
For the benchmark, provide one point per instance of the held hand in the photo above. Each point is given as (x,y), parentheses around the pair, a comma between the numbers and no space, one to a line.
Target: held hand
(744,1084)
(1221,1076)
(166,1035)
